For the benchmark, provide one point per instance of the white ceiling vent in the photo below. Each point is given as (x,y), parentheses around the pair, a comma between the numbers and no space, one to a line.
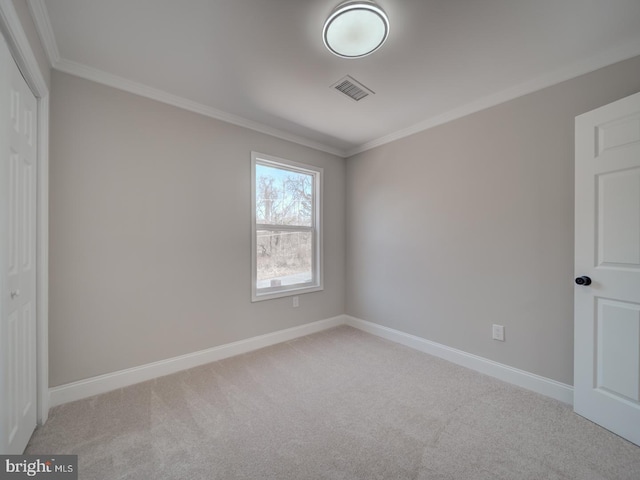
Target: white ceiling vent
(353,89)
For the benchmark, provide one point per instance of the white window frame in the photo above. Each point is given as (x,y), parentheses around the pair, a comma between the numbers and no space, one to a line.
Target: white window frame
(317,282)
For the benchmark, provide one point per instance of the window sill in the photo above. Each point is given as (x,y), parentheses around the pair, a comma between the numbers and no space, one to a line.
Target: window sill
(289,292)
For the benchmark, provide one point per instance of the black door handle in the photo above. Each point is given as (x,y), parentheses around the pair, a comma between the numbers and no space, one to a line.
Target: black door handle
(583,280)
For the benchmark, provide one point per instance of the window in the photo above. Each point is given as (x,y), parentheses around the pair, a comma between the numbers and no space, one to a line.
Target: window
(286,246)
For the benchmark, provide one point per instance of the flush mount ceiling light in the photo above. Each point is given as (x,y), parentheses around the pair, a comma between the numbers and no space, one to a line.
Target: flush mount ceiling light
(355,29)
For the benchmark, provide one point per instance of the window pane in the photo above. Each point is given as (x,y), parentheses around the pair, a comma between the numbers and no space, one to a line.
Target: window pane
(283,258)
(283,197)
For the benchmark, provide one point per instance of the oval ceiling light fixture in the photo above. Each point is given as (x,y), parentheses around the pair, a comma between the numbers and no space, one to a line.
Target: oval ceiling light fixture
(355,28)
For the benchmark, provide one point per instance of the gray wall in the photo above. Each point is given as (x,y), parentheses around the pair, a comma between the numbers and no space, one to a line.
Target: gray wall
(446,232)
(150,232)
(471,223)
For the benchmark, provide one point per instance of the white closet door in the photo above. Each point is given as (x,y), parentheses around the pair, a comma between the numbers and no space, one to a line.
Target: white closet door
(18,149)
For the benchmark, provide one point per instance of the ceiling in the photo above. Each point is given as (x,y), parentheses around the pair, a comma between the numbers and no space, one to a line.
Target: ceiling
(262,63)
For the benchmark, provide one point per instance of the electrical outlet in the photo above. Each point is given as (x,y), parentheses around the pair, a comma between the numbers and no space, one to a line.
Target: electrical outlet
(498,332)
(296,302)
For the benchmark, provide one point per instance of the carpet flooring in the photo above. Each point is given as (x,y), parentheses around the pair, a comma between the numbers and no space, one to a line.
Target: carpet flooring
(340,404)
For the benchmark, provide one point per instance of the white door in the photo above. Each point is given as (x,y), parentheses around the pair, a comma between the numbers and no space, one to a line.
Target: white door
(607,251)
(17,257)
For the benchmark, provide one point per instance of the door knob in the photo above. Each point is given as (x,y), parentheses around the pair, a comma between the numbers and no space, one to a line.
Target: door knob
(583,280)
(15,293)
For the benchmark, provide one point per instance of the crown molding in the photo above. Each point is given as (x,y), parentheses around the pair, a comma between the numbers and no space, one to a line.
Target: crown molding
(604,59)
(99,76)
(47,37)
(21,49)
(45,31)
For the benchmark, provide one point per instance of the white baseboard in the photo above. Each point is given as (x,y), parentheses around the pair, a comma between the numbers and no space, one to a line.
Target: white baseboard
(123,378)
(521,378)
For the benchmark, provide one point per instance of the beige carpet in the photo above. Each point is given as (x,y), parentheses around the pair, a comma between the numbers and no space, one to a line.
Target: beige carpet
(340,404)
